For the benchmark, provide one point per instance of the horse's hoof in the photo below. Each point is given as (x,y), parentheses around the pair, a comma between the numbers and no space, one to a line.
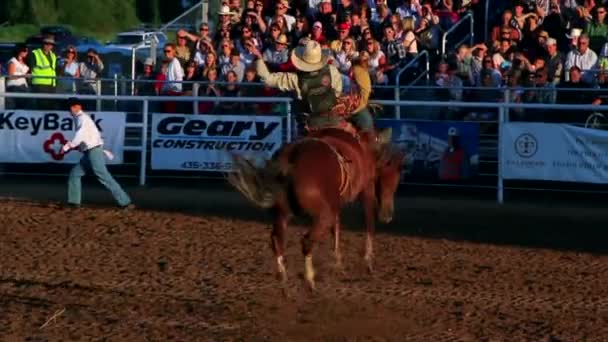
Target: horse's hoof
(312,287)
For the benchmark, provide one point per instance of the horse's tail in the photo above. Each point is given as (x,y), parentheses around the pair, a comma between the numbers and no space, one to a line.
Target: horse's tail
(258,185)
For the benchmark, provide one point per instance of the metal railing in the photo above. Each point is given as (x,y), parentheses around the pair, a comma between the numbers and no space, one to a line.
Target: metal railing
(414,63)
(173,24)
(470,36)
(490,141)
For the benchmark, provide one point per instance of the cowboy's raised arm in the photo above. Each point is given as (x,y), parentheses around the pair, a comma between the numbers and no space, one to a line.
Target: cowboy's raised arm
(284,81)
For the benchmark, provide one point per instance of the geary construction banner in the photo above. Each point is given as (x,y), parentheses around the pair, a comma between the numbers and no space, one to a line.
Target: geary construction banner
(205,142)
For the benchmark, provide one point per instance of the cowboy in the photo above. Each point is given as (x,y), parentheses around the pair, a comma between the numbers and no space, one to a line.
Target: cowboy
(317,84)
(88,140)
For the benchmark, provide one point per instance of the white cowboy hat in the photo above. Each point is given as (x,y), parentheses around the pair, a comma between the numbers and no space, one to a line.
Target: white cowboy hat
(308,57)
(574,33)
(282,39)
(225,10)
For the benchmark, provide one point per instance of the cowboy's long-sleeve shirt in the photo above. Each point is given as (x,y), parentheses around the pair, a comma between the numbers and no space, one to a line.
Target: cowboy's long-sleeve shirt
(288,81)
(361,76)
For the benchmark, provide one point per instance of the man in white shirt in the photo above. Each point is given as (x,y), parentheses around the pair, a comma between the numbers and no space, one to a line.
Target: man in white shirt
(88,140)
(584,58)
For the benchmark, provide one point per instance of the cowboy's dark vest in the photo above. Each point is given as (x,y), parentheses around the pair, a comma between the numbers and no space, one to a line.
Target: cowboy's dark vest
(318,97)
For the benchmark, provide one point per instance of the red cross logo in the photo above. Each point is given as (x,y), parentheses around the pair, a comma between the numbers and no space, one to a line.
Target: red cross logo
(53,146)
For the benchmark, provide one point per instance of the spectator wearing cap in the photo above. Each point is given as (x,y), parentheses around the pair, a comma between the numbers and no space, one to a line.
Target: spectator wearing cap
(597,29)
(554,64)
(225,16)
(276,53)
(281,12)
(235,65)
(146,88)
(43,63)
(317,33)
(343,33)
(327,17)
(584,58)
(90,71)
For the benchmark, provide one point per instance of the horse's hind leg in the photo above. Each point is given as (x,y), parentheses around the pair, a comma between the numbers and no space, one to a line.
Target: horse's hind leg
(324,221)
(277,239)
(369,203)
(337,252)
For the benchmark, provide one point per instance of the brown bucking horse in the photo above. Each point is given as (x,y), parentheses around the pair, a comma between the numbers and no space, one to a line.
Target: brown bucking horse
(316,176)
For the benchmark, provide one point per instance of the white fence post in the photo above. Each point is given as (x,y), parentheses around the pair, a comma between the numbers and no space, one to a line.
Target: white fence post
(98,93)
(2,91)
(289,124)
(195,88)
(500,185)
(144,144)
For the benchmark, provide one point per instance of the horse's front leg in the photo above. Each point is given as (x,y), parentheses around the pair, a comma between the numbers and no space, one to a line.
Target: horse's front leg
(368,199)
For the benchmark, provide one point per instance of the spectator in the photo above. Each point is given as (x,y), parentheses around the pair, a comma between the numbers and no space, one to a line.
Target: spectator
(250,90)
(597,29)
(90,71)
(210,63)
(68,71)
(346,55)
(204,48)
(182,50)
(145,86)
(225,49)
(210,89)
(235,65)
(281,12)
(231,89)
(376,61)
(161,76)
(584,58)
(43,64)
(300,30)
(16,81)
(174,75)
(317,33)
(276,53)
(554,62)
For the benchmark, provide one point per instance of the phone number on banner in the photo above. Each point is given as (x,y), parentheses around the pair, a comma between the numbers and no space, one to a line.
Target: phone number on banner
(216,166)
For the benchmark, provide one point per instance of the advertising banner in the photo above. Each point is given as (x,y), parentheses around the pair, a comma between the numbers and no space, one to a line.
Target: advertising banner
(37,136)
(437,150)
(206,142)
(554,152)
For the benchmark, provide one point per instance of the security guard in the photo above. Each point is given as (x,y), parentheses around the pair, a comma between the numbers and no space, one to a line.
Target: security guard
(43,63)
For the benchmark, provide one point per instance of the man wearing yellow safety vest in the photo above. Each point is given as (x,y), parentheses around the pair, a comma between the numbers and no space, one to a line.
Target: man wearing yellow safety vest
(43,64)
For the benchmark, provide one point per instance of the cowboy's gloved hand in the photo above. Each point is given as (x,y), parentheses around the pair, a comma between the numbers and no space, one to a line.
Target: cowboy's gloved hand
(66,147)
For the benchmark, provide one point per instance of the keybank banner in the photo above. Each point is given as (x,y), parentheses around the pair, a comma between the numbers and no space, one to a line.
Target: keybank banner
(37,136)
(206,142)
(554,152)
(436,150)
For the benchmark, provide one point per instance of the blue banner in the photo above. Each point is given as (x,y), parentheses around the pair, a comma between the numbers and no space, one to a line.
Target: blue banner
(437,150)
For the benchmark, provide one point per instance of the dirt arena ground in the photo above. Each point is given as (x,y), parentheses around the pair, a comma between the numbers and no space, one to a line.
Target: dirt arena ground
(200,269)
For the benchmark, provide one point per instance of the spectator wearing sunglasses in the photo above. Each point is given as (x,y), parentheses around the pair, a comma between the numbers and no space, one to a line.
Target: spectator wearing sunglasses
(68,69)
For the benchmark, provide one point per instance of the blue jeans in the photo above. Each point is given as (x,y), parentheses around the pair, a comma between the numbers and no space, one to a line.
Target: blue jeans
(363,120)
(94,158)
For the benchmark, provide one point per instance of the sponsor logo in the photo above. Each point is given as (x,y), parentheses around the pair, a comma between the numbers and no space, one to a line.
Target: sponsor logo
(526,145)
(53,146)
(47,122)
(228,135)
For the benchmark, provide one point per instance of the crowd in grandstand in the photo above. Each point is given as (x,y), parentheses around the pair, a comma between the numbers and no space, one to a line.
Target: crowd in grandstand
(537,43)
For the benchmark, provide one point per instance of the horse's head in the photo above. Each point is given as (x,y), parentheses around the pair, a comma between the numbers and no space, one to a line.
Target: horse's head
(389,161)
